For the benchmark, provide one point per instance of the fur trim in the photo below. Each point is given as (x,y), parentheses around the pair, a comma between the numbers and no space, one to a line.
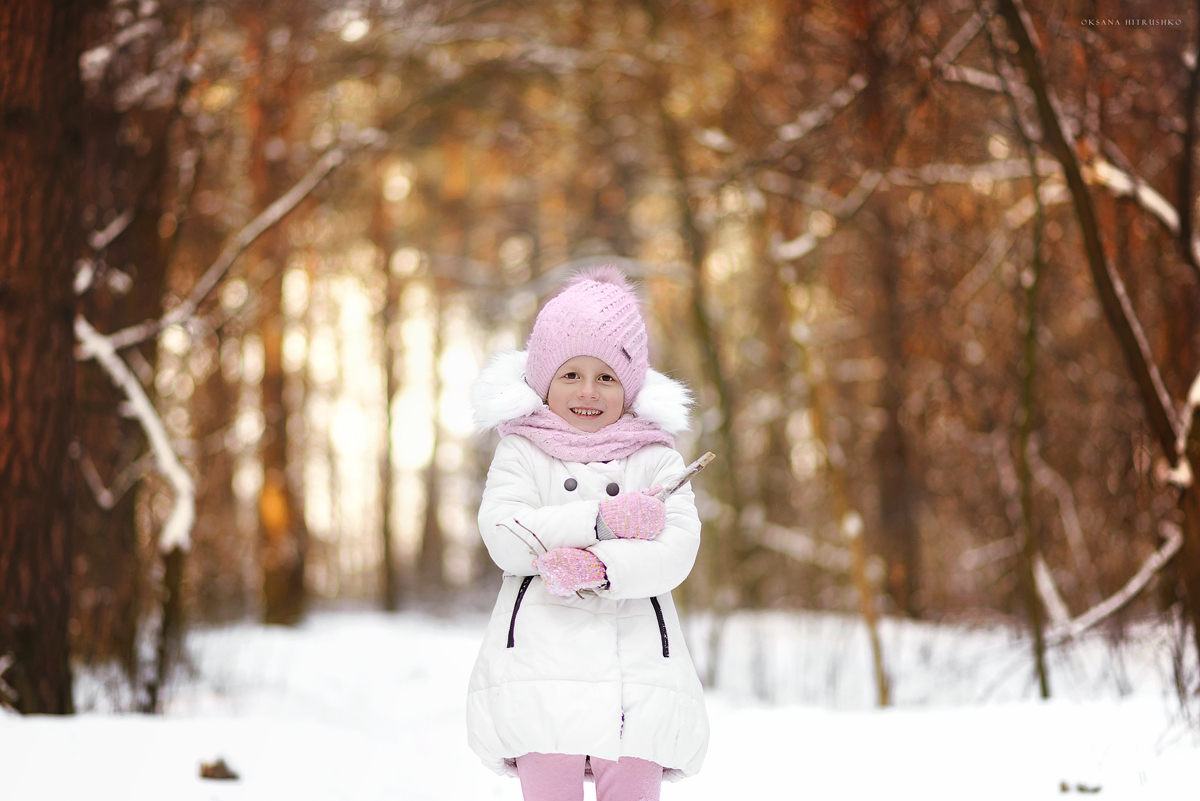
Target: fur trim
(500,393)
(665,402)
(604,273)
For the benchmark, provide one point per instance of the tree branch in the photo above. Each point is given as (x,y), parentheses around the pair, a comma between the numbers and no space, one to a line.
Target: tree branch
(1113,297)
(108,497)
(269,217)
(177,529)
(1185,201)
(1048,479)
(1018,214)
(800,545)
(1155,562)
(816,117)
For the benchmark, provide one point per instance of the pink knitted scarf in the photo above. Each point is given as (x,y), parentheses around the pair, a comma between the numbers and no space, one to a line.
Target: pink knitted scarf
(564,441)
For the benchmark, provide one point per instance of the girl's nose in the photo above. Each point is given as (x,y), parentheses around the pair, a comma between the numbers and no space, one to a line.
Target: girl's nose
(588,389)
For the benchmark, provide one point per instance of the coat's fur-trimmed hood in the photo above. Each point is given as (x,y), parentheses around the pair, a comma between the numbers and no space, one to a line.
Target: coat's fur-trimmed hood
(500,393)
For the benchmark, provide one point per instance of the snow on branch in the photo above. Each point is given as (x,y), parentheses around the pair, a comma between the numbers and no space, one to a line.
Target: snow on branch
(177,529)
(1060,633)
(959,41)
(108,497)
(1047,478)
(998,170)
(269,217)
(803,547)
(1124,184)
(823,224)
(99,240)
(816,117)
(1047,590)
(987,81)
(1181,475)
(1002,241)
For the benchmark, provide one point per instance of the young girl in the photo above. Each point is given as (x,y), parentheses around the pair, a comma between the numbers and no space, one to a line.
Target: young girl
(583,669)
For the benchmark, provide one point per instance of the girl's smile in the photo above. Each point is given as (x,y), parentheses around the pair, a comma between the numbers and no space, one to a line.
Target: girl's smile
(586,393)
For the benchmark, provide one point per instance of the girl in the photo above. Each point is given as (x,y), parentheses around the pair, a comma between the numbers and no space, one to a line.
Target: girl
(583,669)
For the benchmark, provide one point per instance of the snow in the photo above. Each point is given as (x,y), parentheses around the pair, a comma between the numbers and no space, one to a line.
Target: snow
(360,705)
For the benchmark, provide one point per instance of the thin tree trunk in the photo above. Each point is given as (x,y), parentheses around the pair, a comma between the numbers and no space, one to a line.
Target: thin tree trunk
(900,537)
(850,522)
(431,559)
(1030,543)
(389,576)
(274,93)
(40,237)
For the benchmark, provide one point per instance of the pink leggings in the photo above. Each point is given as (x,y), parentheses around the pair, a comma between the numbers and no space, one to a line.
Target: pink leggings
(559,777)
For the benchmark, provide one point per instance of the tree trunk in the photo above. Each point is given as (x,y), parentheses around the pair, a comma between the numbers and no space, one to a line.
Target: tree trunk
(216,560)
(380,227)
(274,95)
(900,538)
(125,173)
(40,237)
(431,573)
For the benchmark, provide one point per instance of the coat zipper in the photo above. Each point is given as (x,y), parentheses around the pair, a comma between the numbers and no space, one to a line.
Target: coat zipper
(512,624)
(662,627)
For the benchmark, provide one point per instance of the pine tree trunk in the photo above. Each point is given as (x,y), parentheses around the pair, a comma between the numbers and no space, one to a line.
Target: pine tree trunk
(40,236)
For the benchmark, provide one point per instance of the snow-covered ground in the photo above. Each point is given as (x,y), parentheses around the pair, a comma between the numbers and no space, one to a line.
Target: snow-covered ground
(365,706)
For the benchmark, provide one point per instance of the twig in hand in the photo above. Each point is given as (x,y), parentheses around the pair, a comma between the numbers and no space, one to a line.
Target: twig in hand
(545,550)
(522,539)
(671,487)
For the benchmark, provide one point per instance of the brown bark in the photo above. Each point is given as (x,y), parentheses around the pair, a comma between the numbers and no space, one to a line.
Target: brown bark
(215,564)
(126,172)
(884,127)
(40,237)
(900,537)
(274,92)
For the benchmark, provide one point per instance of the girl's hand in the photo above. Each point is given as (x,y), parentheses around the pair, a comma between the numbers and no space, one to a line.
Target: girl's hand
(567,570)
(632,515)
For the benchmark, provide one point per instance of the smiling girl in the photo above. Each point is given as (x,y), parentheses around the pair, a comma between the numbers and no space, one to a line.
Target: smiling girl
(583,670)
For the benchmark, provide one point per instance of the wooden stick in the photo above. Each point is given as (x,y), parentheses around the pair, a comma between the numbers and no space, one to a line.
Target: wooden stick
(671,487)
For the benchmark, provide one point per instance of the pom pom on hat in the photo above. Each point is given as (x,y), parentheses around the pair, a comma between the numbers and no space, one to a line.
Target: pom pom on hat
(596,313)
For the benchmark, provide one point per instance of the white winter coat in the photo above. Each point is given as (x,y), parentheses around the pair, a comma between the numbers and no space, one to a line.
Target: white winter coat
(606,674)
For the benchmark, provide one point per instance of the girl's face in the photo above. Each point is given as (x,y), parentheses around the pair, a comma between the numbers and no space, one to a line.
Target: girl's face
(586,393)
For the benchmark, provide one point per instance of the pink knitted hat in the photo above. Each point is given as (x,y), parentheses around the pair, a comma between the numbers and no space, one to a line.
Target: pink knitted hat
(595,314)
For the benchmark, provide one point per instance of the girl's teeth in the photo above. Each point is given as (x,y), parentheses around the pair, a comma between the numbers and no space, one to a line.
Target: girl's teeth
(586,412)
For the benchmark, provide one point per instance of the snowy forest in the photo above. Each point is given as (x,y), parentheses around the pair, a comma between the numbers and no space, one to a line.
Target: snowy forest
(932,271)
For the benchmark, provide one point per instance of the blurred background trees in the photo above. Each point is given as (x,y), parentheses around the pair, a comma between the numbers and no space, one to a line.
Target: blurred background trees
(856,241)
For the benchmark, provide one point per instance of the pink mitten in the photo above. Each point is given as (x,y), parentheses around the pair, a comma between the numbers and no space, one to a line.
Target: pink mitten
(565,570)
(631,515)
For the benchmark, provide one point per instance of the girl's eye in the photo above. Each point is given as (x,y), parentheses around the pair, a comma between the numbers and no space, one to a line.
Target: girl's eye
(607,377)
(571,375)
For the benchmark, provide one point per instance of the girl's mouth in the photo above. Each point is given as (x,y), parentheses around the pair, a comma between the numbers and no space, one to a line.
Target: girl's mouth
(587,412)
